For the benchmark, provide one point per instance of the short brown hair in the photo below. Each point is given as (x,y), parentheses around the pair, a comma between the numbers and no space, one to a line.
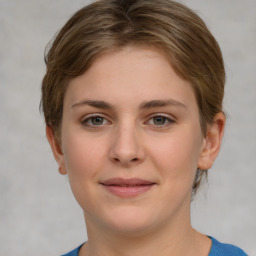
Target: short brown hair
(106,25)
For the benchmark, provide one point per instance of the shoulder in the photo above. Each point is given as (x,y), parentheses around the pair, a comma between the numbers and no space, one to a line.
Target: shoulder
(220,249)
(74,252)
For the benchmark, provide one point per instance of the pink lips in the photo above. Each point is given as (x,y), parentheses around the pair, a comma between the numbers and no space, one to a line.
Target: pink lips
(127,187)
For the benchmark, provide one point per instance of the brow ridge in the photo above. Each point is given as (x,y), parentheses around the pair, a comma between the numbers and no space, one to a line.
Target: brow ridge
(144,105)
(161,103)
(93,103)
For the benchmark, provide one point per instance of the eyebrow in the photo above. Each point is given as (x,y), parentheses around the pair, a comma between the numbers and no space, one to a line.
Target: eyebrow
(144,105)
(161,103)
(94,103)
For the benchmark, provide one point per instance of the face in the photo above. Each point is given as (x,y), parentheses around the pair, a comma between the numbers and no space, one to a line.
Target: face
(131,142)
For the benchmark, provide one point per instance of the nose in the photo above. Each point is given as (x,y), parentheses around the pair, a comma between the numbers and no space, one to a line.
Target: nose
(127,147)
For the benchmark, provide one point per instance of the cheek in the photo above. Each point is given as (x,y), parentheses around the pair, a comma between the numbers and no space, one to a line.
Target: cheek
(83,161)
(80,152)
(176,156)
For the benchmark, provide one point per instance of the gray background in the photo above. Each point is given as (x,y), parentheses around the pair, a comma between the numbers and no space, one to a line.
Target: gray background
(38,214)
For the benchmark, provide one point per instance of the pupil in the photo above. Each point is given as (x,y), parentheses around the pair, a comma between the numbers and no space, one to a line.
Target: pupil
(97,120)
(159,120)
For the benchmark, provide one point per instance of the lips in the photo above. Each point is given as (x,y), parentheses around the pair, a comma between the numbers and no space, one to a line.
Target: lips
(127,187)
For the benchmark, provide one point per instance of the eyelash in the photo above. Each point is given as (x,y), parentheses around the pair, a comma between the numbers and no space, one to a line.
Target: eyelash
(167,121)
(88,121)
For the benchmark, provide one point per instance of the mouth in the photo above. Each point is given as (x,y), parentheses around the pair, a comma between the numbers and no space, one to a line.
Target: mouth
(127,187)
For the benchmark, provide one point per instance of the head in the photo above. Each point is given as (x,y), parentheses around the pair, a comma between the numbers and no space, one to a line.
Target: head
(109,25)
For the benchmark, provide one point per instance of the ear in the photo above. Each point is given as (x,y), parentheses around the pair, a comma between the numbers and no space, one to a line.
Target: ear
(212,142)
(56,149)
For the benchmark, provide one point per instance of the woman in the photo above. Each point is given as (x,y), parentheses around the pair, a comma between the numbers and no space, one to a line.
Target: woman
(132,99)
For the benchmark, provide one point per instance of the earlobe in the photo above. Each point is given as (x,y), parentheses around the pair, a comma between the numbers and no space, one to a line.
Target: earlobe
(62,171)
(56,149)
(212,142)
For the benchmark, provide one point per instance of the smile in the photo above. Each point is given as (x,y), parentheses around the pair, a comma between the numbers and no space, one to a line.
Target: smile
(126,188)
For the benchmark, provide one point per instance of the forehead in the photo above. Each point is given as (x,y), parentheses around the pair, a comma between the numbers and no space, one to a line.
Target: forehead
(131,73)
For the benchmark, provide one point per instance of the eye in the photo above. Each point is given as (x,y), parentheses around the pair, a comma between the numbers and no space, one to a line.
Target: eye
(94,121)
(160,120)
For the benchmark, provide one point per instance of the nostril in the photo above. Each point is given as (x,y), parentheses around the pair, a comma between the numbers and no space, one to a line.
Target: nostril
(117,160)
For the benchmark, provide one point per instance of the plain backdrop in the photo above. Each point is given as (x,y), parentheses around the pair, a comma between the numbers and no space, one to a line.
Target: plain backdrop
(38,214)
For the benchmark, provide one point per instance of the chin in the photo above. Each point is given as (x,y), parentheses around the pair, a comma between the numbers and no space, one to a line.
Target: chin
(131,222)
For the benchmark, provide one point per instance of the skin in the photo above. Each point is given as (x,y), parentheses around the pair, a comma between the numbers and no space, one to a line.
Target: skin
(129,134)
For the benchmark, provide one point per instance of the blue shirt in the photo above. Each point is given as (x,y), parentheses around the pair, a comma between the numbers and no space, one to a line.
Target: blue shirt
(217,249)
(220,249)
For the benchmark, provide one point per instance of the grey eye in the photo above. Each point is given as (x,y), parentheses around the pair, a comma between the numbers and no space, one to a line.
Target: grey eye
(94,121)
(97,120)
(159,120)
